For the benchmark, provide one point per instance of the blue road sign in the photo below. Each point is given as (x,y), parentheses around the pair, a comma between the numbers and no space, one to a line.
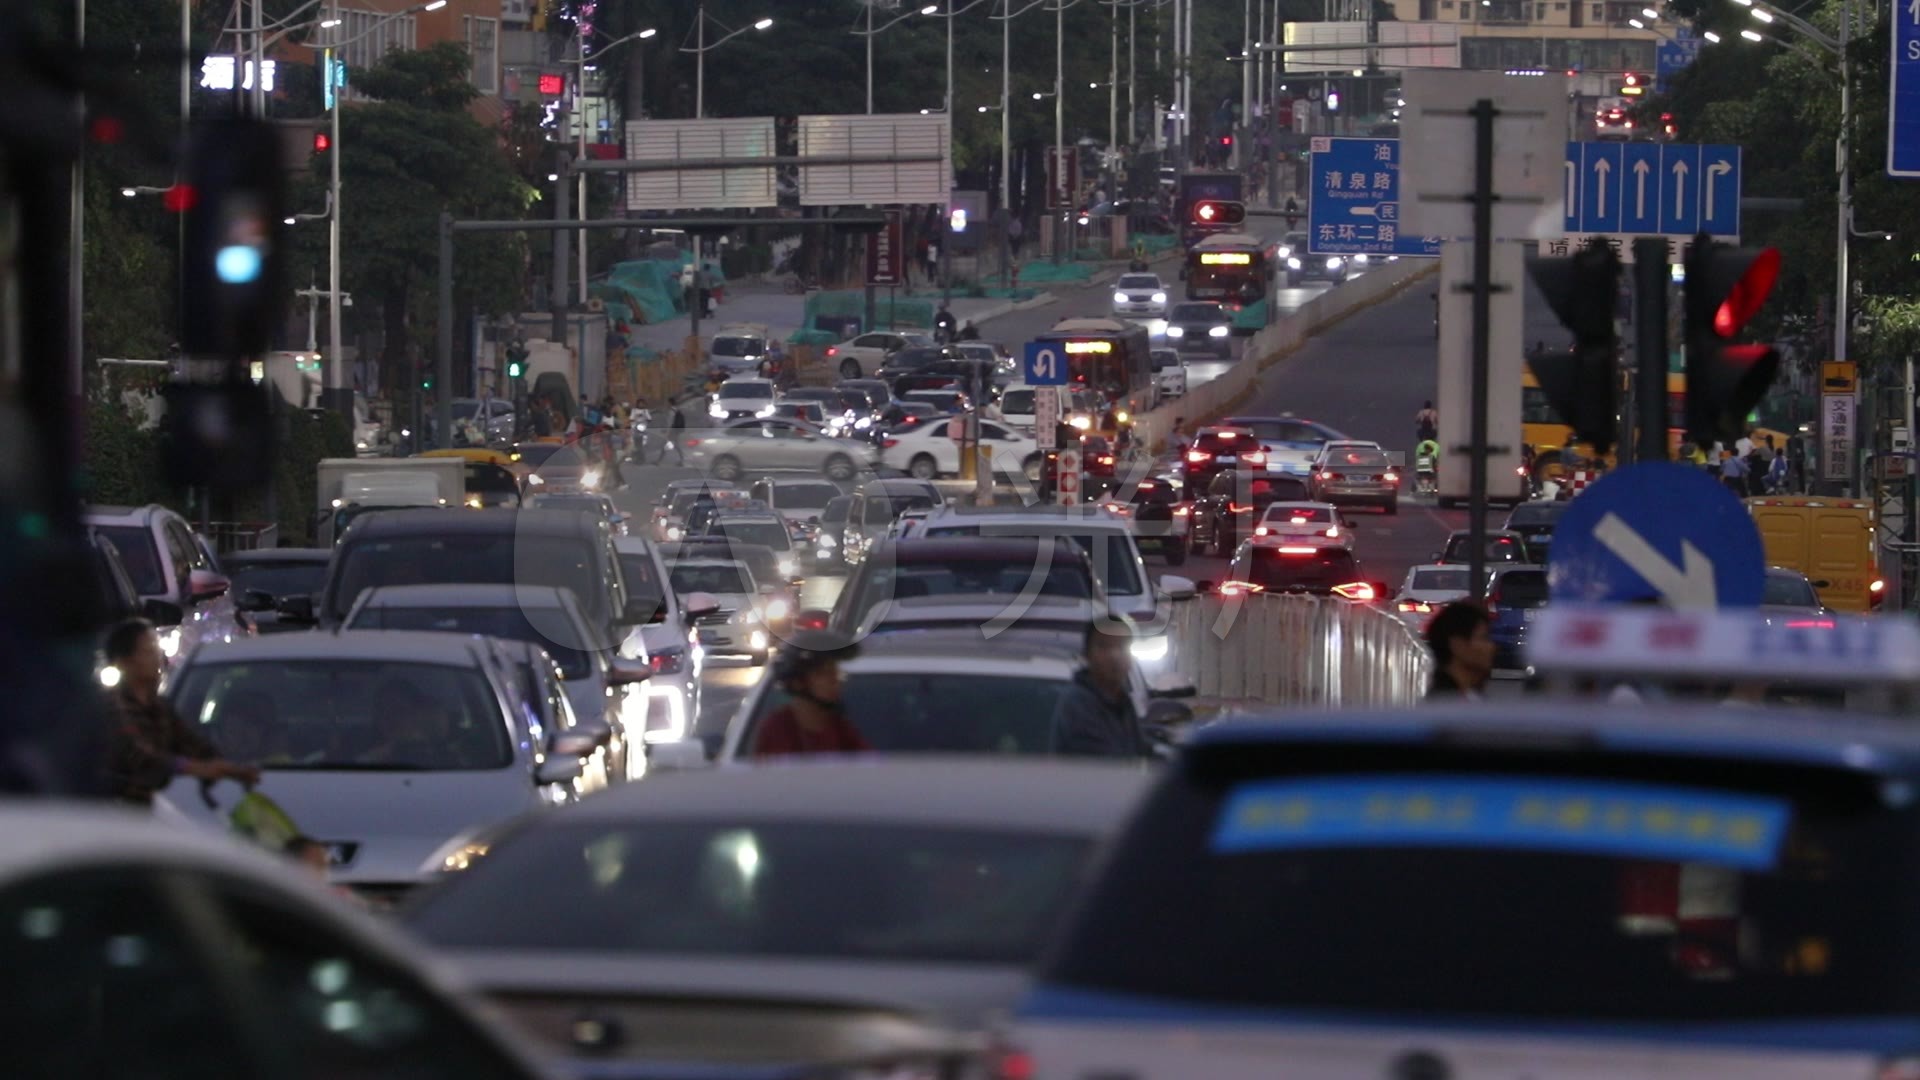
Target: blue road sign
(1657,531)
(1355,203)
(1671,58)
(1903,92)
(1650,189)
(1045,364)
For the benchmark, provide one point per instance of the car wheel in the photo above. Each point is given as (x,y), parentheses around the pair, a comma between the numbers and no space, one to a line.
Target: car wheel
(1177,552)
(922,467)
(849,368)
(726,467)
(1392,506)
(839,467)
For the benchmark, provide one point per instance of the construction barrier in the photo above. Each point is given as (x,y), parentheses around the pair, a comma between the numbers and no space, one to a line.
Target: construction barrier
(1290,649)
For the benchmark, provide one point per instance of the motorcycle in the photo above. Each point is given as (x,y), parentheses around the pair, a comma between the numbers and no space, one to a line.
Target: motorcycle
(1425,479)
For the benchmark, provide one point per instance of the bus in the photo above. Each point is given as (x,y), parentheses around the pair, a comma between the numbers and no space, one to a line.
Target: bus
(1110,357)
(1234,269)
(1546,437)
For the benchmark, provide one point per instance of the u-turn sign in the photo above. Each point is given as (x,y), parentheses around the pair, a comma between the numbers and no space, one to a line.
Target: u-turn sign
(1046,364)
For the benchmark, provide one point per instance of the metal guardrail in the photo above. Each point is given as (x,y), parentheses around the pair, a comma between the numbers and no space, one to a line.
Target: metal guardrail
(241,535)
(1288,649)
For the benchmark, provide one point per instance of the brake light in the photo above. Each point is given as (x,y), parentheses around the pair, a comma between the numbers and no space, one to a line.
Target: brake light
(1197,456)
(1182,511)
(1391,478)
(1239,588)
(833,350)
(1297,520)
(1298,550)
(1105,459)
(888,444)
(1420,607)
(1253,459)
(1810,624)
(1493,603)
(1334,532)
(691,443)
(1228,434)
(1010,1064)
(666,661)
(810,620)
(1358,590)
(1260,531)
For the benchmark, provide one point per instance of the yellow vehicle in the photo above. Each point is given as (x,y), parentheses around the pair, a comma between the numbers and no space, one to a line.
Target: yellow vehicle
(1830,540)
(1542,430)
(492,479)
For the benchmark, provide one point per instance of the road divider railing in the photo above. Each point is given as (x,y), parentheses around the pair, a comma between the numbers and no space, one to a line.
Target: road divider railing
(1287,649)
(1216,397)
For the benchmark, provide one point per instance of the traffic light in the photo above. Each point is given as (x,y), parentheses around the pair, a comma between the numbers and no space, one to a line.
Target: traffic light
(1219,212)
(232,198)
(322,142)
(516,361)
(1581,383)
(1631,86)
(1725,288)
(1226,140)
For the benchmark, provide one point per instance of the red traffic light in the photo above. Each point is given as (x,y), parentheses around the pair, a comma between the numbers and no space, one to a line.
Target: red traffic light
(1206,211)
(322,142)
(1218,212)
(552,85)
(1748,294)
(1226,140)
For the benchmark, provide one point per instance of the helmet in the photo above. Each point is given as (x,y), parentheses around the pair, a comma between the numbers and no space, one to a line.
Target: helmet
(807,650)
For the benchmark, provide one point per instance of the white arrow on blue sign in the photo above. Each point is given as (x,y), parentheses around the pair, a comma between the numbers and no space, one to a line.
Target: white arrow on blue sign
(1045,364)
(1657,531)
(1903,92)
(1652,189)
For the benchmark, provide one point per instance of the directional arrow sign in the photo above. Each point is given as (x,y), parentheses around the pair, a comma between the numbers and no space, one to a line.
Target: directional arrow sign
(1649,189)
(1660,532)
(1719,190)
(1045,364)
(1903,93)
(1640,171)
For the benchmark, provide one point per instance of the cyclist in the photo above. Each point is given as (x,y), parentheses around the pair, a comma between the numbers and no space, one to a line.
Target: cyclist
(1426,423)
(1426,462)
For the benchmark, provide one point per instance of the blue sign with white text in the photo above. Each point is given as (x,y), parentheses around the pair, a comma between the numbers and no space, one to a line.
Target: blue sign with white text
(1354,208)
(1045,363)
(1652,189)
(1657,532)
(1903,92)
(1671,58)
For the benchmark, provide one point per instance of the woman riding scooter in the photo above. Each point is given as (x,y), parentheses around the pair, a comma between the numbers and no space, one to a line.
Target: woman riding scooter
(1426,467)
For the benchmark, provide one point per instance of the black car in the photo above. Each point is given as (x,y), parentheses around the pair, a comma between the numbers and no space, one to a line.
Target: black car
(1161,517)
(943,374)
(1502,547)
(1200,327)
(1303,265)
(1535,522)
(1226,514)
(1315,571)
(910,361)
(279,573)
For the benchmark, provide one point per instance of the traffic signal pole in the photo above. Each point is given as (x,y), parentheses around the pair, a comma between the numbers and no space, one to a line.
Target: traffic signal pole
(1650,277)
(1483,113)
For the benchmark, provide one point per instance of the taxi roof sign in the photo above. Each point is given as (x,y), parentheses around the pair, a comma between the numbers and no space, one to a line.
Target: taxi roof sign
(1726,645)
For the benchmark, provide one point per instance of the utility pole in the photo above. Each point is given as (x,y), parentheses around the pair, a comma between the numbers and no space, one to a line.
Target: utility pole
(338,394)
(1246,82)
(580,150)
(1133,107)
(1651,279)
(562,211)
(1062,174)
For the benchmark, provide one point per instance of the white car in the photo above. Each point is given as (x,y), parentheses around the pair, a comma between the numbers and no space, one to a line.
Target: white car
(1316,524)
(664,619)
(925,452)
(1428,589)
(868,353)
(742,398)
(168,563)
(798,499)
(1169,373)
(737,626)
(1140,295)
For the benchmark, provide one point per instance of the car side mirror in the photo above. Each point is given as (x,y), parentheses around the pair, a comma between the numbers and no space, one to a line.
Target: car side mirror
(624,671)
(559,769)
(682,755)
(580,740)
(254,600)
(162,612)
(207,585)
(1166,715)
(697,604)
(296,608)
(1177,587)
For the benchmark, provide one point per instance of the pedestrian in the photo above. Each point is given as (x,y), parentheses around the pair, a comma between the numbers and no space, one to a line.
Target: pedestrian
(1733,473)
(150,744)
(1461,639)
(1015,233)
(969,333)
(675,425)
(1777,475)
(1426,423)
(1178,440)
(1095,717)
(814,719)
(932,254)
(1757,465)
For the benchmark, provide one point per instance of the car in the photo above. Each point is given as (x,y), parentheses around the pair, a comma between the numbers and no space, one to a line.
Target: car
(1514,596)
(809,411)
(1220,448)
(739,349)
(876,917)
(591,503)
(948,691)
(386,745)
(107,974)
(1348,472)
(730,451)
(830,538)
(913,359)
(1786,596)
(493,417)
(539,687)
(876,391)
(797,499)
(602,689)
(875,507)
(1536,521)
(1107,540)
(738,625)
(1169,373)
(759,528)
(1201,326)
(556,466)
(926,452)
(1287,843)
(1160,512)
(742,397)
(899,415)
(669,520)
(666,631)
(866,354)
(909,523)
(1002,365)
(1316,524)
(275,573)
(944,402)
(167,563)
(1290,443)
(1302,265)
(1427,589)
(1225,514)
(114,588)
(1298,568)
(768,568)
(994,569)
(1140,295)
(1502,547)
(956,373)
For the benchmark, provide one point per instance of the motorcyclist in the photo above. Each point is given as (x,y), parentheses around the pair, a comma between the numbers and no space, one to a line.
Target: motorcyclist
(814,720)
(1426,462)
(945,326)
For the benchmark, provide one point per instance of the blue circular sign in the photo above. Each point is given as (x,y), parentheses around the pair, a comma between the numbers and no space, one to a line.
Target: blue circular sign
(1661,532)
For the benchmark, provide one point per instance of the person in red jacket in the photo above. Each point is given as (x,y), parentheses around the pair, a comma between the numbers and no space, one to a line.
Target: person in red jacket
(812,721)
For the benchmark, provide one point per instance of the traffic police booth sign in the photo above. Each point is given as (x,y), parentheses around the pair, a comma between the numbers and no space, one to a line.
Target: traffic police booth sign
(1661,532)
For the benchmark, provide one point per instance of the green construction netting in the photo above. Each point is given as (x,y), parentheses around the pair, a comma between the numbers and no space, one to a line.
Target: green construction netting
(1251,317)
(825,312)
(649,288)
(1042,272)
(1151,243)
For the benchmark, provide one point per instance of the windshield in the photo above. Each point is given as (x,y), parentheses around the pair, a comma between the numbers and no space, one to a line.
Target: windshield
(1284,516)
(771,534)
(792,888)
(1809,874)
(545,627)
(757,391)
(710,578)
(955,713)
(970,577)
(1018,402)
(141,554)
(1198,313)
(1139,281)
(1499,549)
(1785,590)
(277,579)
(807,495)
(1520,589)
(737,346)
(1116,562)
(347,714)
(473,559)
(1439,581)
(1318,570)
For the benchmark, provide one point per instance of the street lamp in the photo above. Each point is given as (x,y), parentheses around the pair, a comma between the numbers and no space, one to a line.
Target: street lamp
(870,31)
(952,13)
(1006,69)
(580,125)
(700,49)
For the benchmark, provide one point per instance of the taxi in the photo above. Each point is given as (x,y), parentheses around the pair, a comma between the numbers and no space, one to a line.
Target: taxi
(1314,524)
(494,478)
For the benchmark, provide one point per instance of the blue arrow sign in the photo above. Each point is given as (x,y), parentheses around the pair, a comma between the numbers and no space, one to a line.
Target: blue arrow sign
(1720,190)
(1903,92)
(1640,187)
(1600,186)
(1045,364)
(1657,531)
(1680,200)
(1354,208)
(1651,189)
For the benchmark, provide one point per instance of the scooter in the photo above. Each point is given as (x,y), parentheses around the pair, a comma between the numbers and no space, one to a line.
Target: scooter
(1425,481)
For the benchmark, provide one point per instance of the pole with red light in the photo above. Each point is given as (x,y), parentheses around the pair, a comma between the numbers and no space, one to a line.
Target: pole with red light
(1724,289)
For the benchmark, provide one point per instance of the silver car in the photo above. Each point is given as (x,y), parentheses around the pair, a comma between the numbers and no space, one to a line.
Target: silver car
(168,563)
(866,919)
(391,748)
(665,626)
(760,445)
(738,626)
(1428,589)
(1354,472)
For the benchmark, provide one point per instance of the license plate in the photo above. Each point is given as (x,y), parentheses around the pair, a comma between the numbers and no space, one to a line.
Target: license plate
(1526,614)
(1227,459)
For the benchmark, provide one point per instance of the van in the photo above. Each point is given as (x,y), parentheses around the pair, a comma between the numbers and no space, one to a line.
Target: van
(738,349)
(1828,539)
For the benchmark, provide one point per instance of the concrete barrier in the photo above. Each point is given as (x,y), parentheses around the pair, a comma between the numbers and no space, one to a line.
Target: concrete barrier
(1296,650)
(1218,397)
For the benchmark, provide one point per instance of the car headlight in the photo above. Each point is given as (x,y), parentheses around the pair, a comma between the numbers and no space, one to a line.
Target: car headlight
(1293,264)
(714,410)
(1176,331)
(169,638)
(1119,298)
(1285,251)
(1360,259)
(827,541)
(765,411)
(456,855)
(535,480)
(1157,326)
(1333,263)
(674,532)
(757,640)
(361,445)
(787,566)
(1218,331)
(778,608)
(1159,298)
(1149,650)
(1080,423)
(473,502)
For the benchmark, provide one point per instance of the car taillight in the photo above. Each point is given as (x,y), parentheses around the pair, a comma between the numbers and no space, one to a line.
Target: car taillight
(692,443)
(1198,456)
(1391,478)
(1105,459)
(1239,588)
(1420,607)
(1334,532)
(810,620)
(1007,1063)
(1298,550)
(1358,590)
(1260,530)
(667,661)
(1810,624)
(833,351)
(1876,592)
(888,444)
(1253,459)
(1493,603)
(1182,511)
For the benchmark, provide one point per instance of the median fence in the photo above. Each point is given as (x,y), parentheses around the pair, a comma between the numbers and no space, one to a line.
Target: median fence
(1297,650)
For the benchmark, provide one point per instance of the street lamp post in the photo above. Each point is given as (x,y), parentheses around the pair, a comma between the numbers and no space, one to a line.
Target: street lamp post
(870,32)
(580,148)
(700,50)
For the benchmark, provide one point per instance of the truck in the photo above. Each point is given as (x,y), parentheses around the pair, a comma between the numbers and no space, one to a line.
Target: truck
(1197,187)
(346,488)
(1828,539)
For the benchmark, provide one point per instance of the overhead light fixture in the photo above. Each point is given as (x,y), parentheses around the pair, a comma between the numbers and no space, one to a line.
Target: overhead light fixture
(1751,35)
(647,33)
(435,6)
(328,24)
(286,221)
(553,177)
(930,9)
(1357,73)
(1712,38)
(1636,24)
(761,25)
(128,192)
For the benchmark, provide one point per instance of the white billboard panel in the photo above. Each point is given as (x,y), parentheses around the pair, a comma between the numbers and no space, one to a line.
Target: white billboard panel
(879,184)
(1505,363)
(1403,45)
(701,189)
